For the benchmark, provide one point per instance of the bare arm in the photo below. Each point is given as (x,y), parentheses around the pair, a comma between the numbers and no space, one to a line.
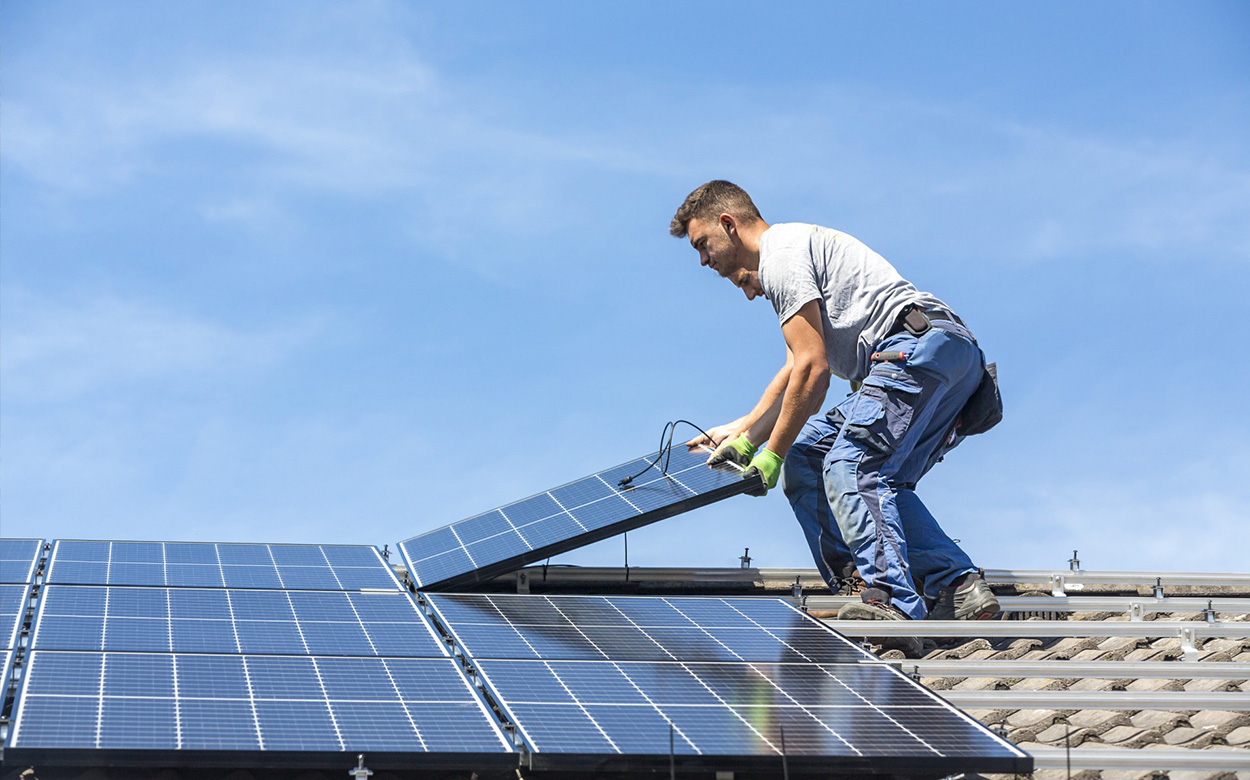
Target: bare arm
(808,380)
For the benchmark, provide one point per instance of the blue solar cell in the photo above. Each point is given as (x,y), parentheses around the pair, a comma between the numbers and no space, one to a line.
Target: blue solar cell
(138,602)
(358,577)
(352,556)
(427,679)
(56,722)
(336,639)
(135,634)
(401,639)
(261,605)
(74,600)
(18,558)
(191,553)
(322,606)
(244,555)
(202,636)
(391,607)
(73,572)
(250,577)
(133,724)
(193,575)
(309,577)
(69,632)
(283,678)
(560,728)
(598,684)
(355,678)
(566,517)
(269,637)
(212,677)
(136,574)
(217,725)
(199,604)
(297,555)
(72,550)
(454,728)
(375,726)
(137,552)
(139,674)
(297,725)
(65,674)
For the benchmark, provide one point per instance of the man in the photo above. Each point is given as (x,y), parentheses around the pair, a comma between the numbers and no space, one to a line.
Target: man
(850,475)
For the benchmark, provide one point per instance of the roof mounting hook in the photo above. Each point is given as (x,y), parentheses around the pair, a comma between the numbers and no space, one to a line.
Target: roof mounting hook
(1158,587)
(361,771)
(1075,563)
(1135,612)
(1056,586)
(796,590)
(1189,647)
(745,558)
(1209,614)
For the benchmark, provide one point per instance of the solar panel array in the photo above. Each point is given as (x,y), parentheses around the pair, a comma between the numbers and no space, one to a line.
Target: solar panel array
(315,666)
(585,678)
(18,558)
(568,517)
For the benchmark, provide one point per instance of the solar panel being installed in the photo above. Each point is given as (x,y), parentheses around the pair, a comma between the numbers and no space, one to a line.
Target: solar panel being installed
(568,517)
(18,558)
(205,564)
(607,682)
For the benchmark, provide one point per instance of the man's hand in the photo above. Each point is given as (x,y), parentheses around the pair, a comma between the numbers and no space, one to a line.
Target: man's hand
(737,450)
(767,466)
(716,436)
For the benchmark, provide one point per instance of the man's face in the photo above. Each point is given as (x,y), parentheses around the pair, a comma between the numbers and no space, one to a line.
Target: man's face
(718,248)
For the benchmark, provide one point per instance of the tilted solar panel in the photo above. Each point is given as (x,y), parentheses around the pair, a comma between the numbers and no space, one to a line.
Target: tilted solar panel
(18,558)
(607,682)
(217,565)
(568,517)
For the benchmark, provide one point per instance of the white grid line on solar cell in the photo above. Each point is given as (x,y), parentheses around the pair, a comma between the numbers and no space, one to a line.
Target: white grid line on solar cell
(13,601)
(18,559)
(565,511)
(432,687)
(230,621)
(202,564)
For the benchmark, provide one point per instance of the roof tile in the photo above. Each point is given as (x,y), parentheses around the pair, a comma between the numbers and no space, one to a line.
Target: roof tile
(1159,719)
(1189,737)
(1220,721)
(1128,736)
(1238,736)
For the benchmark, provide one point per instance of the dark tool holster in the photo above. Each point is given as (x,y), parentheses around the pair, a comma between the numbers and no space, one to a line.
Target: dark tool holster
(984,408)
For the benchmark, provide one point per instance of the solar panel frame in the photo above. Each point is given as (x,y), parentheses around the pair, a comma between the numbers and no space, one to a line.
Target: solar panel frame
(220,564)
(14,599)
(229,621)
(601,723)
(564,518)
(19,559)
(82,717)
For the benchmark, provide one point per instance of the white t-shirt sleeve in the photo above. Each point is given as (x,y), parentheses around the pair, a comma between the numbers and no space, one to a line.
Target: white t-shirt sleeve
(789,278)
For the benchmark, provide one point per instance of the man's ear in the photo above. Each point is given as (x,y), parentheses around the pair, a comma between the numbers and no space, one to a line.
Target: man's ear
(729,225)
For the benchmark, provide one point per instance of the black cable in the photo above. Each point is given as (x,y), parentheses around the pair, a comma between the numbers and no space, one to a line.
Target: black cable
(666,450)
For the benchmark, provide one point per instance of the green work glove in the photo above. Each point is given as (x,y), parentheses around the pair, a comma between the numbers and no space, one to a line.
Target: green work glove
(767,465)
(737,450)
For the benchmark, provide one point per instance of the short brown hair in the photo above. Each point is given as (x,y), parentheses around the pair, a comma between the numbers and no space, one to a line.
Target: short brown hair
(709,201)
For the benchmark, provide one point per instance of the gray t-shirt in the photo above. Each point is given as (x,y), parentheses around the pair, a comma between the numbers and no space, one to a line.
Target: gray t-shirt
(860,293)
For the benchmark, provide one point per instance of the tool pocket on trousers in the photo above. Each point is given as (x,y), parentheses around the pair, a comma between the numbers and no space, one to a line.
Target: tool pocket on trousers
(887,414)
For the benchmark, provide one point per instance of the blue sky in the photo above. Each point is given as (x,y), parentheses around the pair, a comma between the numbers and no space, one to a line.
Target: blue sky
(345,273)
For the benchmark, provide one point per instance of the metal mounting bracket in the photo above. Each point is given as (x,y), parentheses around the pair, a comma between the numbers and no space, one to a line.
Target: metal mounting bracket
(1056,586)
(1189,646)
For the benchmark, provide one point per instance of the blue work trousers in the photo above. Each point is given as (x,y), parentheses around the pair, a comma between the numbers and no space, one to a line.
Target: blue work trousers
(851,475)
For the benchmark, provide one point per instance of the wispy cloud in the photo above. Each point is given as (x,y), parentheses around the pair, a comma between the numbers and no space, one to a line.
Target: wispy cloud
(57,351)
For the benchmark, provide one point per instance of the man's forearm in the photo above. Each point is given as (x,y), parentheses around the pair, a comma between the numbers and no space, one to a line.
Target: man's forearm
(758,423)
(804,393)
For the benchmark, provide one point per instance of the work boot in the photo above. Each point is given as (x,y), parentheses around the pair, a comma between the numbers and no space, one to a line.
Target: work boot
(875,605)
(970,600)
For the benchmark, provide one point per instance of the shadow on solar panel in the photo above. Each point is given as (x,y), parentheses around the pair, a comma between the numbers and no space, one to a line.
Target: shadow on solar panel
(568,517)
